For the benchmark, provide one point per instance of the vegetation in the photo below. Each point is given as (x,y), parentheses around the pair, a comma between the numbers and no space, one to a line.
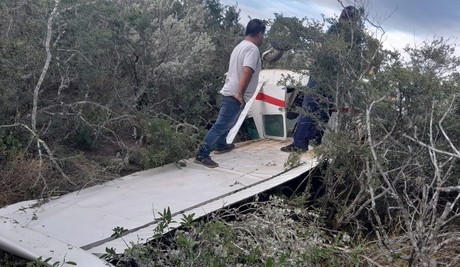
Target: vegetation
(275,232)
(91,90)
(86,85)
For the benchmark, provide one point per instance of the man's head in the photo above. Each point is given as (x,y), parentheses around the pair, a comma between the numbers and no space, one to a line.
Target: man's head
(350,13)
(255,31)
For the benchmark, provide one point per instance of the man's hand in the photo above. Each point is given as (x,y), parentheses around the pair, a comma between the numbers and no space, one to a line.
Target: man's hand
(245,78)
(239,96)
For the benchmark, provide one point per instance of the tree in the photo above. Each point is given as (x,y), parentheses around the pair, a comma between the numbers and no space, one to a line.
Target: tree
(95,75)
(391,156)
(413,156)
(391,160)
(225,32)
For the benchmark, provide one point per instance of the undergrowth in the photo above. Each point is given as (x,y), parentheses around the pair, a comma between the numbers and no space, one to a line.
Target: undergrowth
(276,232)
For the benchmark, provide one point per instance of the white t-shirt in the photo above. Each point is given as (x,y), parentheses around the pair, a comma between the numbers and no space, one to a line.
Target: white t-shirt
(245,54)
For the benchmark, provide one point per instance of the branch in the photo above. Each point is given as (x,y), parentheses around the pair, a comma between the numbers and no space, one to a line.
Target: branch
(48,150)
(442,128)
(449,189)
(454,239)
(49,33)
(40,142)
(349,251)
(10,125)
(386,178)
(430,147)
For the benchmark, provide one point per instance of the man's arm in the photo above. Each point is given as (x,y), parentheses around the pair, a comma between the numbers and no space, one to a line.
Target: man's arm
(244,81)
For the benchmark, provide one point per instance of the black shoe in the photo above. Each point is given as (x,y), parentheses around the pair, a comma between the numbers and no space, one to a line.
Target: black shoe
(225,149)
(293,148)
(206,161)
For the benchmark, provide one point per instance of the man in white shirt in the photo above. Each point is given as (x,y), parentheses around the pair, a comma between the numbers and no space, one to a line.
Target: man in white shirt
(240,85)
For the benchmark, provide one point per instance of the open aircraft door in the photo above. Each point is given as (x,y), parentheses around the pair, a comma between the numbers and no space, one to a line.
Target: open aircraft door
(272,101)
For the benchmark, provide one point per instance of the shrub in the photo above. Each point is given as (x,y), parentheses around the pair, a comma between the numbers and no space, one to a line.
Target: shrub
(165,144)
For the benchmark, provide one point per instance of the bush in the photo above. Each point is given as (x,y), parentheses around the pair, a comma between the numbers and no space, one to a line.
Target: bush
(165,144)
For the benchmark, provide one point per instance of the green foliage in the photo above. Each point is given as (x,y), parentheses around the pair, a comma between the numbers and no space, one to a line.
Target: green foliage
(119,232)
(187,220)
(9,145)
(292,161)
(225,31)
(10,260)
(116,61)
(384,155)
(166,145)
(84,137)
(40,262)
(297,37)
(110,55)
(271,233)
(110,255)
(388,158)
(163,223)
(291,32)
(22,30)
(112,62)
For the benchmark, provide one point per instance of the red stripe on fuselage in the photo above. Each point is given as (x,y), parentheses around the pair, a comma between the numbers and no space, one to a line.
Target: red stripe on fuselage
(271,100)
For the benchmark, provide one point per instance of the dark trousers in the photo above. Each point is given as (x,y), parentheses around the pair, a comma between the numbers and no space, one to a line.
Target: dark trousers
(308,126)
(229,113)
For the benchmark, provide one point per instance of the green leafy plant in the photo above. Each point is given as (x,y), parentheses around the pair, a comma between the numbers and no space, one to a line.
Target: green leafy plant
(270,233)
(40,262)
(187,220)
(293,160)
(9,145)
(163,222)
(119,232)
(166,145)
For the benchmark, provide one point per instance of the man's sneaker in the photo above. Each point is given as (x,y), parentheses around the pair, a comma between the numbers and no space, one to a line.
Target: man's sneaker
(206,161)
(225,149)
(293,148)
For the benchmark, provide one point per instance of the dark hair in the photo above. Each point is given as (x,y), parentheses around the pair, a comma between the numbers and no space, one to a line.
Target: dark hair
(254,27)
(350,13)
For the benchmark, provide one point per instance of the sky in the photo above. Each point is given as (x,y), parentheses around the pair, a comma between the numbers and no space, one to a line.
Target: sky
(406,22)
